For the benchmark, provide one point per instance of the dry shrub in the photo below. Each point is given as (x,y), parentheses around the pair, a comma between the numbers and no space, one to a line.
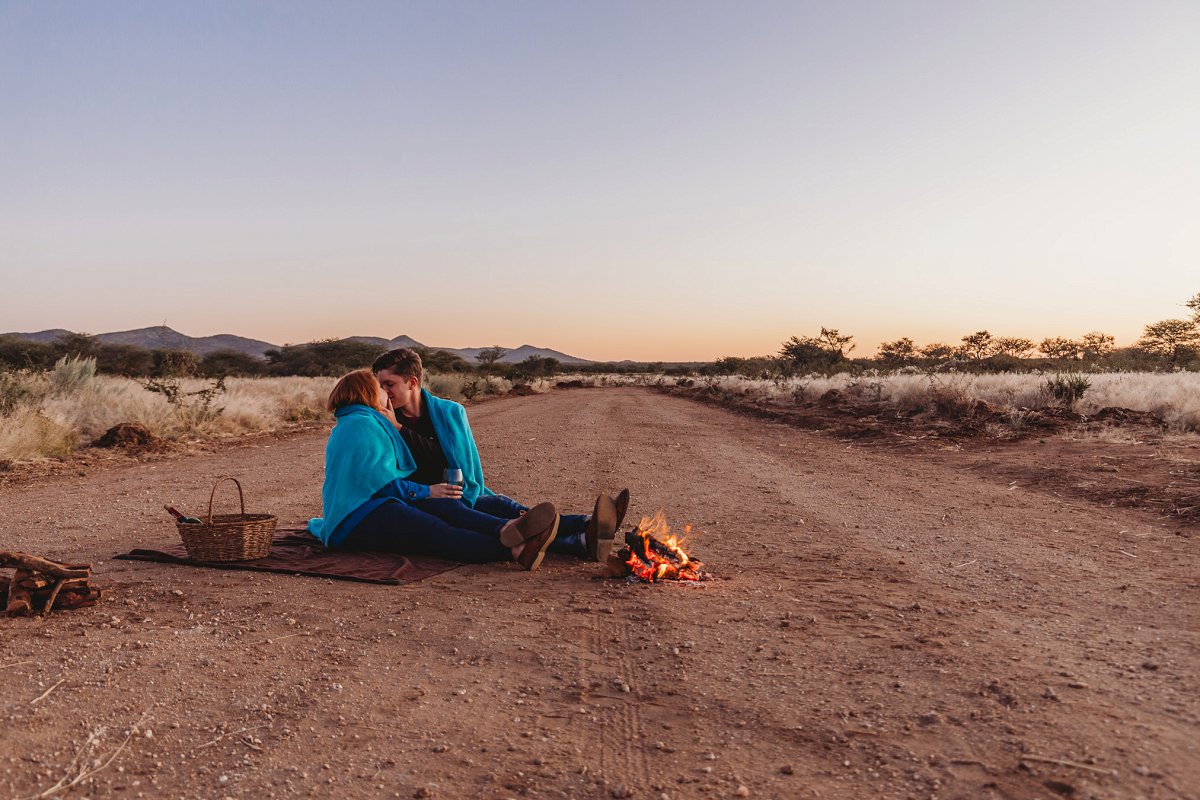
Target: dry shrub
(450,385)
(27,434)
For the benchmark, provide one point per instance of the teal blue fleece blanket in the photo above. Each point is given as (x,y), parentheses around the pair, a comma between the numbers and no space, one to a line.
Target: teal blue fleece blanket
(458,443)
(365,453)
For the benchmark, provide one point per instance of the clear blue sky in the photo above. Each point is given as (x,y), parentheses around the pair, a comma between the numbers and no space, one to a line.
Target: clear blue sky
(658,180)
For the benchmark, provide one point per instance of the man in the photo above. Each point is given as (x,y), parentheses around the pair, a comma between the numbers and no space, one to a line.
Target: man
(438,435)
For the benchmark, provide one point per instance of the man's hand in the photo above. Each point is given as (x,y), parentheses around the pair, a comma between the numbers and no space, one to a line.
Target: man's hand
(440,490)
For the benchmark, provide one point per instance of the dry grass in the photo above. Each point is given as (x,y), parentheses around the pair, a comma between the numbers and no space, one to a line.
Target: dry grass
(1172,397)
(49,415)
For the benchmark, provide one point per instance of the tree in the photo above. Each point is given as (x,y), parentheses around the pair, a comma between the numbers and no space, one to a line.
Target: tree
(1194,305)
(124,359)
(325,357)
(937,351)
(77,345)
(1097,345)
(1174,339)
(1058,347)
(16,353)
(442,361)
(897,353)
(173,364)
(1013,346)
(755,367)
(976,346)
(231,363)
(534,367)
(824,352)
(488,356)
(833,341)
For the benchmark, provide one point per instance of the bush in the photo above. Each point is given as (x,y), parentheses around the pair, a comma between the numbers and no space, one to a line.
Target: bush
(70,374)
(1068,388)
(16,390)
(325,358)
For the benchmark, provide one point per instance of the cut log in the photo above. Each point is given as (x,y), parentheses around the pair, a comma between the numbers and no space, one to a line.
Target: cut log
(36,583)
(35,564)
(19,603)
(48,603)
(616,566)
(77,598)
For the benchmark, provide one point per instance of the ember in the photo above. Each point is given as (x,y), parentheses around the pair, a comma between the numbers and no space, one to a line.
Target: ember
(652,553)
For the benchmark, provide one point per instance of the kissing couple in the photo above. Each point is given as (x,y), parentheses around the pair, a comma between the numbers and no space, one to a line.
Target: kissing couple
(402,475)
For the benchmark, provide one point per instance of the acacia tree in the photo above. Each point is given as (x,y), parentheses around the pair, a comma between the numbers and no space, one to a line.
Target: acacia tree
(1013,346)
(1096,344)
(817,352)
(77,345)
(937,351)
(897,353)
(976,345)
(1059,347)
(835,342)
(1173,339)
(488,356)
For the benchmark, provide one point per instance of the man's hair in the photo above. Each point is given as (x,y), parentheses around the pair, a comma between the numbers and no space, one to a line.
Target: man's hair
(358,387)
(403,361)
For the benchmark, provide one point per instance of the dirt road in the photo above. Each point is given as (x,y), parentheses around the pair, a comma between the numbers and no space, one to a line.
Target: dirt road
(887,624)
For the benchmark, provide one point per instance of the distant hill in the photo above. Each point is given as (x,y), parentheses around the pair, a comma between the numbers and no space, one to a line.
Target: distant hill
(390,344)
(41,337)
(513,356)
(161,337)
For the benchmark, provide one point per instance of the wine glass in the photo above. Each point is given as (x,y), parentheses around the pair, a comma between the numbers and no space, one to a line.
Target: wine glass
(453,475)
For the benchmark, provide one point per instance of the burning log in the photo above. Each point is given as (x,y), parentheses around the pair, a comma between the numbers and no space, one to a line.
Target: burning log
(652,554)
(38,583)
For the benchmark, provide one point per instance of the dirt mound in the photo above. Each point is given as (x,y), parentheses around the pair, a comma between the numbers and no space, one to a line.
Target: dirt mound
(129,436)
(1126,416)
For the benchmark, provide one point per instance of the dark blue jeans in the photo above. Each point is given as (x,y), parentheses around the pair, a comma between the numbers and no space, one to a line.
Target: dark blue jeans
(570,539)
(443,528)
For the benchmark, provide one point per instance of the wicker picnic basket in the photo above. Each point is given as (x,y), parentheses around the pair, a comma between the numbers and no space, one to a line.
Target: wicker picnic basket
(228,537)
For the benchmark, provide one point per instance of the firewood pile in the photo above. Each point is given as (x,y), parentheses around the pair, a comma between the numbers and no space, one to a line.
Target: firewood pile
(38,585)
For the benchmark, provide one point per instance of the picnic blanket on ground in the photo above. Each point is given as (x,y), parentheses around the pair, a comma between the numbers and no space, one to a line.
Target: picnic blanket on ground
(297,552)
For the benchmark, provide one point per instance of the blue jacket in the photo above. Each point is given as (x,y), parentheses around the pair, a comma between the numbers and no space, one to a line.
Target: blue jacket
(366,462)
(458,443)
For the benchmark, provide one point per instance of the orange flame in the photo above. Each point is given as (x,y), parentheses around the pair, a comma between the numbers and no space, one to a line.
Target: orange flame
(675,565)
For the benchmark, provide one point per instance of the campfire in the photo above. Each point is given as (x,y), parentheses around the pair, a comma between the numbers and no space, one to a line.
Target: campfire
(652,553)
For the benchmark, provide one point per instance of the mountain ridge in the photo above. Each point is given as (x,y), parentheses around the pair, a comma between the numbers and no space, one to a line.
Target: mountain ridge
(162,337)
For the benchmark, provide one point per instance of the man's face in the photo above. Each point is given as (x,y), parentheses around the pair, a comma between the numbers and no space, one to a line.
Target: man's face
(400,389)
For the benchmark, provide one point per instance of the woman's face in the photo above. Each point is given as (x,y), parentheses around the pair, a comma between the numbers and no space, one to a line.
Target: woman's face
(381,399)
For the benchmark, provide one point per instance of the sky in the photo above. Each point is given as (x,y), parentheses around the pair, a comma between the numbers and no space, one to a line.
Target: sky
(651,180)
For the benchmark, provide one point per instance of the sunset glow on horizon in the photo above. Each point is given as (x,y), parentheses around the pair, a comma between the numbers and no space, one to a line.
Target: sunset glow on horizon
(671,181)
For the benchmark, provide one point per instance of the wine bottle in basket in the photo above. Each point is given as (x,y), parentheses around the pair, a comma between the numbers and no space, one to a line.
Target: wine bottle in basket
(180,517)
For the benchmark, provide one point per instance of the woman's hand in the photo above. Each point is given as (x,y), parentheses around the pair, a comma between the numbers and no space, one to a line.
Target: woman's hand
(440,490)
(390,413)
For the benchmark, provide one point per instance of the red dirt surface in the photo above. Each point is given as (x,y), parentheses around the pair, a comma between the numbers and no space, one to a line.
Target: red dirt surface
(933,620)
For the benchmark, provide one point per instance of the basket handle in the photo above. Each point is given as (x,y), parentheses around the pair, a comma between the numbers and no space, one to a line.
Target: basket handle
(217,483)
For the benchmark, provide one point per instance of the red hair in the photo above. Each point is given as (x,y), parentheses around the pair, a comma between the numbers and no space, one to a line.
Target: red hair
(358,387)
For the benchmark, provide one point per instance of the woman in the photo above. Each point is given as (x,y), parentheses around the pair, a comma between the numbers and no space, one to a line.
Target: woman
(368,505)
